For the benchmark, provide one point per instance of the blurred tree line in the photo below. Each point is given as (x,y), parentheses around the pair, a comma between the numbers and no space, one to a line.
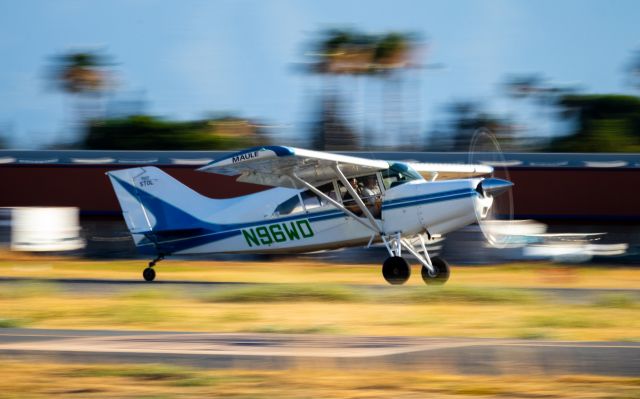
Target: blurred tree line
(144,132)
(85,77)
(346,61)
(603,123)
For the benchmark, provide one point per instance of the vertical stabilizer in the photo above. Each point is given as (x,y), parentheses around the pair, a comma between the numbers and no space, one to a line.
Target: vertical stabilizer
(153,201)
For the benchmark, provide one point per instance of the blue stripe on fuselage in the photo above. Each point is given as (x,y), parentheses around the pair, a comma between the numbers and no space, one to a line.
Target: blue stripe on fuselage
(428,198)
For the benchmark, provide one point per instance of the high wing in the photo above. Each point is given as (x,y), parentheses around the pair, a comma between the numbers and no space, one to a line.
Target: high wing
(447,171)
(276,165)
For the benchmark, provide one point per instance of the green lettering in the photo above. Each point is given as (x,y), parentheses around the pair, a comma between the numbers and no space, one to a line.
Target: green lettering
(263,233)
(276,232)
(250,236)
(291,233)
(307,226)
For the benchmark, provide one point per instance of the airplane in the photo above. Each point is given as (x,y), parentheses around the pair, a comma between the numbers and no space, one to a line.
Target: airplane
(318,201)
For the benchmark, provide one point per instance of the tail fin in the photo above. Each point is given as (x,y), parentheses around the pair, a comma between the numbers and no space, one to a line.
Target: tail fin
(153,201)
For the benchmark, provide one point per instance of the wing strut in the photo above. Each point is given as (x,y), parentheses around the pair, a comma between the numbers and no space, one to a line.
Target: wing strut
(338,205)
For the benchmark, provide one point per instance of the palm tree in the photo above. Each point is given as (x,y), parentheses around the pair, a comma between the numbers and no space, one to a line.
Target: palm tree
(83,76)
(340,53)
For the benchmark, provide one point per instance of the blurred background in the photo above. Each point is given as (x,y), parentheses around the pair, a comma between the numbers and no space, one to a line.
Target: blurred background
(84,83)
(416,75)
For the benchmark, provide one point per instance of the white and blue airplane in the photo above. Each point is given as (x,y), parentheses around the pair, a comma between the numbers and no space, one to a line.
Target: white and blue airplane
(318,201)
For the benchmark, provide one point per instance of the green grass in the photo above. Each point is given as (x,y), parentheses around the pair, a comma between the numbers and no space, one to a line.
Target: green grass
(285,293)
(132,313)
(175,376)
(462,295)
(321,308)
(566,320)
(11,323)
(342,293)
(617,301)
(27,289)
(24,379)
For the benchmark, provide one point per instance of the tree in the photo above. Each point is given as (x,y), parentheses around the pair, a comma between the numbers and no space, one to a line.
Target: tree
(466,117)
(144,132)
(543,96)
(356,55)
(602,123)
(81,73)
(83,76)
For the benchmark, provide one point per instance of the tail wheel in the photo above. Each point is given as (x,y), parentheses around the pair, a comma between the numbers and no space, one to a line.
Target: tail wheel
(149,274)
(442,272)
(396,270)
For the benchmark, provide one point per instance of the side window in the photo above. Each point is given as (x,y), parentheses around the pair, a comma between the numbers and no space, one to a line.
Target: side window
(357,186)
(309,198)
(368,189)
(289,206)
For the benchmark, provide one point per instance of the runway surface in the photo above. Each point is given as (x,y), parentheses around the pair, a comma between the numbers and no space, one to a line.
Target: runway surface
(283,351)
(75,285)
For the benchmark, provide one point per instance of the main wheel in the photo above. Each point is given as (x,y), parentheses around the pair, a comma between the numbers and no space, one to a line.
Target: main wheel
(396,270)
(149,274)
(442,272)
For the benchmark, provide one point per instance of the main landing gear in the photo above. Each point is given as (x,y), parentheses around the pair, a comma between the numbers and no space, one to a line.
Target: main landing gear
(396,270)
(149,274)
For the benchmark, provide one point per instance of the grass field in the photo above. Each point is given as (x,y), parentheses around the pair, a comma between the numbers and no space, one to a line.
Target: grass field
(301,270)
(24,380)
(328,299)
(494,301)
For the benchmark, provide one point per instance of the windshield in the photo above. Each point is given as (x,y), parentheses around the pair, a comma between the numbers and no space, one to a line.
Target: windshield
(399,173)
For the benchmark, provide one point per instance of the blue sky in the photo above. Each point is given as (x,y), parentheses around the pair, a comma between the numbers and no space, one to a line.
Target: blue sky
(191,58)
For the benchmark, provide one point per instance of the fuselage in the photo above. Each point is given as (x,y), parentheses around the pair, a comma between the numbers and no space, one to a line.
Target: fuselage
(256,223)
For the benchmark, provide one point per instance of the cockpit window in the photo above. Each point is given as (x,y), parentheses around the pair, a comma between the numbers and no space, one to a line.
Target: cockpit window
(399,173)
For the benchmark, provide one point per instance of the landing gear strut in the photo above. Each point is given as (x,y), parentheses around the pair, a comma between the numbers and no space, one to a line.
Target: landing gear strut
(149,274)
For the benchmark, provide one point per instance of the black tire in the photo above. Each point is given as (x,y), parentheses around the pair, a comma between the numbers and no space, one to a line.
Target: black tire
(396,270)
(149,274)
(442,272)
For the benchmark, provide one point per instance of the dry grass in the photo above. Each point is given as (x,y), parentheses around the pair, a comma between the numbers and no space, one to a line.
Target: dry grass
(301,271)
(458,312)
(46,380)
(324,298)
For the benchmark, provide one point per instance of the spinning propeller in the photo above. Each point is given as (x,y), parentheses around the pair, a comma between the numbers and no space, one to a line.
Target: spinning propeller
(495,210)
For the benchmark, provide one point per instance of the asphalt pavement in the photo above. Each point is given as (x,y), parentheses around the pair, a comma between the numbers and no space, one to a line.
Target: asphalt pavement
(284,351)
